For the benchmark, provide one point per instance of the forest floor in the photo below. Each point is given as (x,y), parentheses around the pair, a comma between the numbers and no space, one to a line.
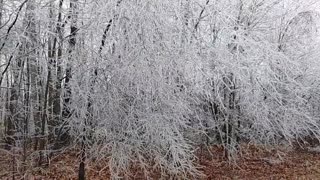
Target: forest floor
(254,163)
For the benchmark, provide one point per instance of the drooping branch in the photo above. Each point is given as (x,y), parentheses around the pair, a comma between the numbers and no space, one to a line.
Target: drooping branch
(201,15)
(12,24)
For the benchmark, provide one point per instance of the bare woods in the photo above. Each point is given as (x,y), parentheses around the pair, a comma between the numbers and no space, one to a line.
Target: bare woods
(149,82)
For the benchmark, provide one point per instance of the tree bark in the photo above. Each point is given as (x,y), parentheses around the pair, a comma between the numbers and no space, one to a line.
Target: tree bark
(57,113)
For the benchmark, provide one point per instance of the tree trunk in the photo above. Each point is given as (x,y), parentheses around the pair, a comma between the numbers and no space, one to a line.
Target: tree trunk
(58,119)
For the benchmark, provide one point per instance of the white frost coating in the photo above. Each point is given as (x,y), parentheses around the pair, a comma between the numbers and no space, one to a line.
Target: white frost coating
(175,75)
(150,92)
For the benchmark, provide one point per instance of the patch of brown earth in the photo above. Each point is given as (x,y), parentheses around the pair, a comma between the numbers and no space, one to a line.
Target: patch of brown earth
(253,163)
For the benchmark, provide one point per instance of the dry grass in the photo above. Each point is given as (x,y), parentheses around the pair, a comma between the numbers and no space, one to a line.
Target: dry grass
(254,163)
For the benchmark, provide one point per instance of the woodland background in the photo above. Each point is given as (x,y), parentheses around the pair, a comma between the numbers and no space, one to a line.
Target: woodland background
(150,82)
